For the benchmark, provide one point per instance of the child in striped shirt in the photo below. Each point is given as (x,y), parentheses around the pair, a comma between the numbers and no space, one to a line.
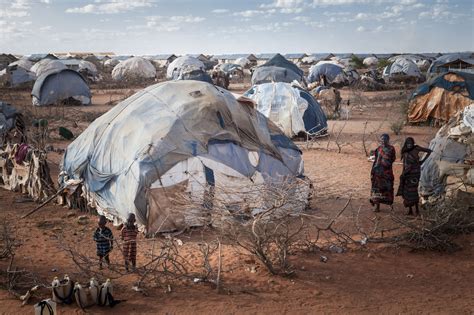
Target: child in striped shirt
(129,236)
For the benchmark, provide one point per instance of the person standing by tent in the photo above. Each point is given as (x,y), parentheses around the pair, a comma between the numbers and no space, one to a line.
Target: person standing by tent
(410,176)
(129,236)
(104,240)
(382,174)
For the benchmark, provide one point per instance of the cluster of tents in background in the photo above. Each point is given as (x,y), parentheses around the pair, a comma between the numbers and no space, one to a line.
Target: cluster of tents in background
(277,83)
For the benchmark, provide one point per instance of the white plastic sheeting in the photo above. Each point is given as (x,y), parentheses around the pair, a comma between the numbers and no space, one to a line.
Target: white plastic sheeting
(46,65)
(133,69)
(282,104)
(183,65)
(179,137)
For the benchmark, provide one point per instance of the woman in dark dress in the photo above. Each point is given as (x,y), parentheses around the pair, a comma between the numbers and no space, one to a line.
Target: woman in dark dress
(382,174)
(410,177)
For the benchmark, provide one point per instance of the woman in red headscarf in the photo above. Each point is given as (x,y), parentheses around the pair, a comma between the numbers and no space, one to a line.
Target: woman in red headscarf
(382,174)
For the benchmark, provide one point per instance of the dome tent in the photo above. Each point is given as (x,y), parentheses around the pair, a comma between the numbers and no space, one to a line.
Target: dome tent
(402,69)
(278,69)
(294,110)
(136,68)
(187,68)
(333,74)
(64,85)
(45,65)
(112,62)
(181,137)
(243,62)
(442,97)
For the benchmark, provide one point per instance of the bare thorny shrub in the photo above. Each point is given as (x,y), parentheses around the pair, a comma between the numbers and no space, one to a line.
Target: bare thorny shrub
(13,279)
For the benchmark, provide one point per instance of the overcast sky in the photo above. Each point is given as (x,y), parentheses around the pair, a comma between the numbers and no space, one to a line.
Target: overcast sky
(236,26)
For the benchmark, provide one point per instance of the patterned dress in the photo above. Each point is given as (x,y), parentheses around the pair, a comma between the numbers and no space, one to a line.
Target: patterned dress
(410,177)
(382,175)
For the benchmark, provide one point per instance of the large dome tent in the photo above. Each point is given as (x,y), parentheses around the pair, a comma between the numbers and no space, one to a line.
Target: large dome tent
(182,137)
(60,86)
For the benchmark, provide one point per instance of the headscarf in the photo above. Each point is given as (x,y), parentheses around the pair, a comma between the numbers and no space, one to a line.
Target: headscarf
(385,138)
(405,148)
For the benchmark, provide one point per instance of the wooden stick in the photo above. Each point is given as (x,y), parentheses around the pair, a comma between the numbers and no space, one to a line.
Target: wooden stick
(44,203)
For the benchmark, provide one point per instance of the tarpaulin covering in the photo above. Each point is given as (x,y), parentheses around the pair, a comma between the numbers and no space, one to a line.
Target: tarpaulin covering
(46,65)
(182,65)
(403,66)
(274,74)
(281,62)
(165,140)
(290,108)
(134,69)
(443,97)
(448,58)
(56,86)
(332,72)
(453,144)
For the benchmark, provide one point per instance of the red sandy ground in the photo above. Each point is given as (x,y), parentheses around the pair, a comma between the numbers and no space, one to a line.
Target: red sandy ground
(369,280)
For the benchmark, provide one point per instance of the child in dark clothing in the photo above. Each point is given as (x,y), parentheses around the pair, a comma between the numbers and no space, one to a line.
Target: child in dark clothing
(129,236)
(104,240)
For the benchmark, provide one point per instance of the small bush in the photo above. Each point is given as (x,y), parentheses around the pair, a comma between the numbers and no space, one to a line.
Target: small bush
(383,63)
(397,126)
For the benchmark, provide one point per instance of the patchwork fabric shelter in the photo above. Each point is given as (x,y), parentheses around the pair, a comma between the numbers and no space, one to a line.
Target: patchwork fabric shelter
(292,109)
(450,166)
(136,68)
(15,75)
(61,86)
(442,97)
(179,138)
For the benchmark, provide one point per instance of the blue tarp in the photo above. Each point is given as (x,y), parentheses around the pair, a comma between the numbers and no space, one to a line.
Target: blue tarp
(280,61)
(329,70)
(442,60)
(440,81)
(274,74)
(55,86)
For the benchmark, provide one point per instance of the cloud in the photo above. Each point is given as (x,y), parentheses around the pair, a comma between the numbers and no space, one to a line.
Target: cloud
(111,7)
(286,6)
(248,13)
(360,29)
(220,11)
(45,28)
(168,23)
